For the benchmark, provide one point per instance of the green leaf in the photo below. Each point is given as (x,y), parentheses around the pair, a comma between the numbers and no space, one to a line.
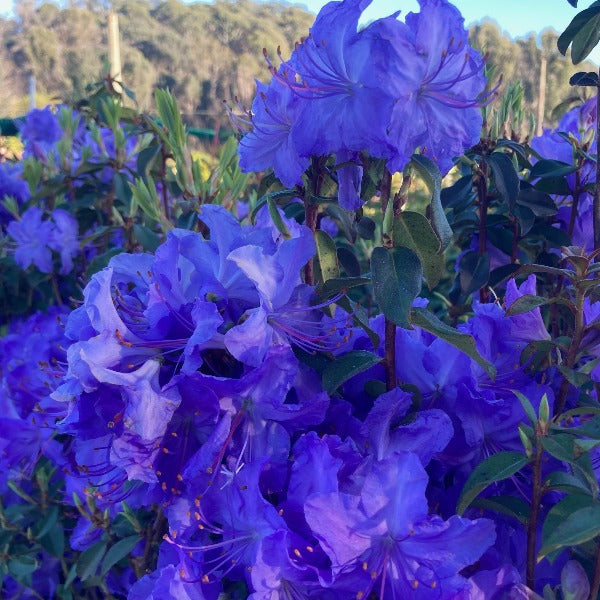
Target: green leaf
(331,287)
(527,407)
(554,185)
(413,230)
(549,167)
(54,541)
(540,203)
(533,268)
(589,79)
(586,39)
(589,428)
(146,237)
(506,505)
(524,304)
(145,159)
(89,560)
(426,320)
(432,177)
(118,551)
(366,228)
(277,218)
(21,567)
(348,261)
(473,271)
(575,378)
(48,523)
(575,26)
(495,468)
(573,528)
(347,366)
(280,197)
(565,482)
(505,177)
(397,274)
(562,446)
(327,255)
(170,116)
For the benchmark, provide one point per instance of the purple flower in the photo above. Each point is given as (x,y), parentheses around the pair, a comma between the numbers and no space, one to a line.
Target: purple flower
(425,435)
(529,326)
(269,143)
(385,541)
(240,518)
(437,80)
(64,238)
(282,314)
(12,185)
(40,131)
(336,73)
(34,238)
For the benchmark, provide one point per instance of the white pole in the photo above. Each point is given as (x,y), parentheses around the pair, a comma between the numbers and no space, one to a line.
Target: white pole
(31,92)
(114,48)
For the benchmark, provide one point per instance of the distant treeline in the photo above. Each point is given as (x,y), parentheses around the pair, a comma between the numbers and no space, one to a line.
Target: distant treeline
(204,52)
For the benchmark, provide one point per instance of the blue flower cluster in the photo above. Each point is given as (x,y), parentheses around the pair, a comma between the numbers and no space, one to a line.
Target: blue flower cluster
(197,406)
(389,89)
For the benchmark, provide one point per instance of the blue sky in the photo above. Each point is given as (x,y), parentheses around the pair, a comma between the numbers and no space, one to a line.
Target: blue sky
(516,17)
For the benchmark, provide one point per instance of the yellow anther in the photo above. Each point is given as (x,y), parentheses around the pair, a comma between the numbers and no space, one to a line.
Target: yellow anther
(365,566)
(310,548)
(360,595)
(415,584)
(205,579)
(179,477)
(297,552)
(373,574)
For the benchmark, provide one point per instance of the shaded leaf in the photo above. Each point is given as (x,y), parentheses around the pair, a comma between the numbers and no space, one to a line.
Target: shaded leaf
(89,560)
(506,505)
(506,177)
(347,366)
(495,468)
(587,38)
(327,255)
(396,275)
(574,528)
(575,26)
(583,78)
(426,320)
(432,177)
(549,167)
(413,230)
(118,551)
(473,271)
